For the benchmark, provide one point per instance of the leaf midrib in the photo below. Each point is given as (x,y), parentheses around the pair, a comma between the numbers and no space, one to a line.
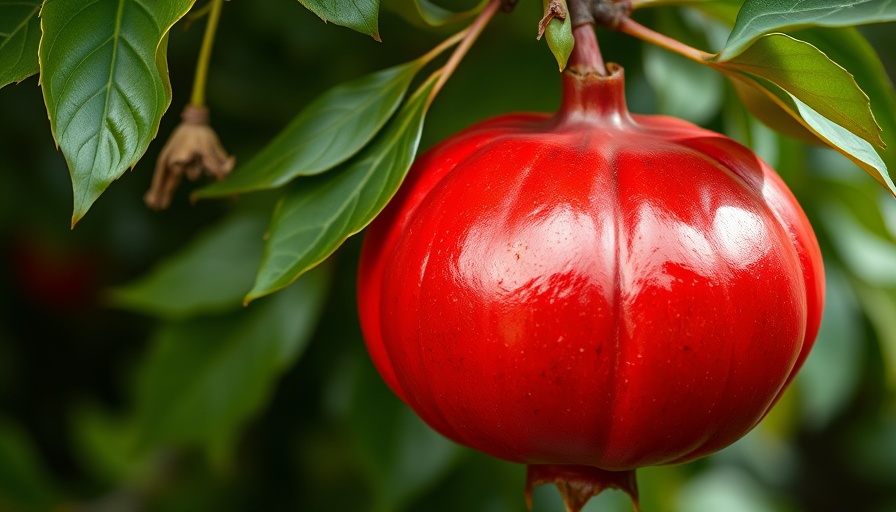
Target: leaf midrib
(353,199)
(116,35)
(354,196)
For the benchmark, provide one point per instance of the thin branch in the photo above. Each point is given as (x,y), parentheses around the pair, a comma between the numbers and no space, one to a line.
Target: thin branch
(633,28)
(470,36)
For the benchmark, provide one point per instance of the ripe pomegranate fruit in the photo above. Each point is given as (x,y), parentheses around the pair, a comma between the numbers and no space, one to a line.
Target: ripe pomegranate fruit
(590,292)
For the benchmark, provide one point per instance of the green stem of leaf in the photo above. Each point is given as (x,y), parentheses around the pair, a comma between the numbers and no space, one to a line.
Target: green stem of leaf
(470,34)
(197,98)
(633,28)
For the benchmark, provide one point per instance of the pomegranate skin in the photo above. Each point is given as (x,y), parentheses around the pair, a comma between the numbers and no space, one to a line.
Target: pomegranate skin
(591,288)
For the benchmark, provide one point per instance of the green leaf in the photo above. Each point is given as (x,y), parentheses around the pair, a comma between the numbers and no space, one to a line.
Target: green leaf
(879,304)
(746,129)
(839,138)
(104,445)
(391,439)
(758,17)
(436,15)
(725,487)
(867,255)
(772,116)
(864,243)
(105,82)
(25,484)
(847,45)
(725,10)
(360,15)
(426,13)
(327,132)
(831,374)
(19,39)
(318,214)
(683,88)
(211,275)
(809,75)
(206,377)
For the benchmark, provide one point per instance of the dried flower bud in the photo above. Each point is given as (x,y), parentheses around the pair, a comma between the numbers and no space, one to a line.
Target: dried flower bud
(193,150)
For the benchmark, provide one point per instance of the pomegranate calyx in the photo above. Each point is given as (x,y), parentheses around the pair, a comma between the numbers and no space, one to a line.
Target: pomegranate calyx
(578,484)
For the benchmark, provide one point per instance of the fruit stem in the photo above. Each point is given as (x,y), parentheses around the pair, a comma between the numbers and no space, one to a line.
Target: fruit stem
(197,98)
(586,57)
(469,37)
(633,28)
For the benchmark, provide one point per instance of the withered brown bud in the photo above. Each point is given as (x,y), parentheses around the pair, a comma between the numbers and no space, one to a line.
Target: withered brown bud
(193,150)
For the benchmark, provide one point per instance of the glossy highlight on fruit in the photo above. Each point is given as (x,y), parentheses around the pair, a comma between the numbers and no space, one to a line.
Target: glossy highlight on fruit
(590,292)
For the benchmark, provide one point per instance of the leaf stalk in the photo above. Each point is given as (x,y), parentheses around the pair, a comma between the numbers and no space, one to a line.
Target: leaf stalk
(633,28)
(469,36)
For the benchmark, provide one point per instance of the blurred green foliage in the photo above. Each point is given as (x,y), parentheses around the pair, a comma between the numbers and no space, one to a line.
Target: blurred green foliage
(117,395)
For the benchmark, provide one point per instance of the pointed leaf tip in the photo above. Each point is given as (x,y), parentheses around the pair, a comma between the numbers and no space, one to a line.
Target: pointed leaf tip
(103,127)
(330,130)
(811,76)
(359,15)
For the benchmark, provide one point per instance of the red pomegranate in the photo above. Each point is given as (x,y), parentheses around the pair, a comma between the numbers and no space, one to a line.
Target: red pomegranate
(590,292)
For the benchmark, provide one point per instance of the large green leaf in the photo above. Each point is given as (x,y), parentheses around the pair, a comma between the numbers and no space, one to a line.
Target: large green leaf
(428,13)
(103,443)
(319,214)
(25,484)
(758,17)
(327,132)
(816,92)
(360,15)
(205,377)
(879,304)
(725,487)
(867,255)
(810,76)
(839,138)
(847,45)
(831,374)
(436,15)
(725,10)
(389,437)
(19,39)
(105,82)
(211,275)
